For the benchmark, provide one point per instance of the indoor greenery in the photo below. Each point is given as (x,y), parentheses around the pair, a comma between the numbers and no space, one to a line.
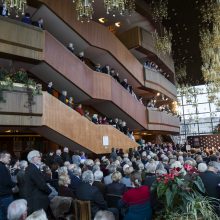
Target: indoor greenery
(181,193)
(7,78)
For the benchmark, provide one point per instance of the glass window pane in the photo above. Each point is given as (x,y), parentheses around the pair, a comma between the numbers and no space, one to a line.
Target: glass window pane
(205,128)
(180,110)
(179,100)
(189,109)
(192,129)
(201,89)
(202,98)
(203,108)
(213,107)
(204,117)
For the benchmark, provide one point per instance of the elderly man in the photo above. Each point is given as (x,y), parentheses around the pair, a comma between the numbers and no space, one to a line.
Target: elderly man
(37,190)
(98,176)
(74,173)
(6,184)
(91,193)
(17,210)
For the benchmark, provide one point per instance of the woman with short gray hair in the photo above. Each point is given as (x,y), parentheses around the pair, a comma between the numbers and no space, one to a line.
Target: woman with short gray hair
(88,177)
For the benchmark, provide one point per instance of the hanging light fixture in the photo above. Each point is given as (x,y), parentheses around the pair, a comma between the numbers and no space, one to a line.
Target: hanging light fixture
(129,6)
(17,5)
(115,6)
(84,10)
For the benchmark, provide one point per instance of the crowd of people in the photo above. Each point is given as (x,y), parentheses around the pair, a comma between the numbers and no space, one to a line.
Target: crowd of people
(118,186)
(106,70)
(151,65)
(95,118)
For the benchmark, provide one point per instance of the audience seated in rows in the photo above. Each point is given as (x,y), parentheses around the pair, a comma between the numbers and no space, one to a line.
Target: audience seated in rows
(123,177)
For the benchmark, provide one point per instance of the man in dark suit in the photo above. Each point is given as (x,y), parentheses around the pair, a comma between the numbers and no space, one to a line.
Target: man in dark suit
(87,192)
(211,181)
(98,176)
(37,190)
(6,184)
(75,176)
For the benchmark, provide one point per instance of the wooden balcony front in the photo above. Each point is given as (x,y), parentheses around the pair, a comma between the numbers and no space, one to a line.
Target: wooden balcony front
(68,128)
(162,121)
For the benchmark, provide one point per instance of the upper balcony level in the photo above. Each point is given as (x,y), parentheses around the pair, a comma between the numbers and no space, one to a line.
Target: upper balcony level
(156,81)
(142,40)
(162,121)
(53,119)
(98,43)
(54,62)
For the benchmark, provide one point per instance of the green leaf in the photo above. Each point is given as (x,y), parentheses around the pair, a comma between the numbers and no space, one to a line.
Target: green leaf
(161,189)
(198,182)
(170,194)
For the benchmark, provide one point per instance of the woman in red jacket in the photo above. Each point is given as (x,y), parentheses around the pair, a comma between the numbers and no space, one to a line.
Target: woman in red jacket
(137,200)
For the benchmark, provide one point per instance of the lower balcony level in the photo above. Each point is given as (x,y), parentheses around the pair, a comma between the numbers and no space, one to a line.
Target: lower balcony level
(49,117)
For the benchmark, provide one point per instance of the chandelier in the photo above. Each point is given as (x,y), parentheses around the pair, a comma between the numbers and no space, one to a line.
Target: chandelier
(129,6)
(17,5)
(162,43)
(115,5)
(159,10)
(84,10)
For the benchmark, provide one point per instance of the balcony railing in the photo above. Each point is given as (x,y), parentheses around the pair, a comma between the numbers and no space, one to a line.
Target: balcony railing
(156,81)
(162,121)
(22,39)
(49,115)
(142,40)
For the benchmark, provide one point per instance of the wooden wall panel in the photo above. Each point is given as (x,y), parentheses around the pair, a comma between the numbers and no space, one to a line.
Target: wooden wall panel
(60,118)
(17,102)
(66,121)
(138,37)
(96,85)
(158,82)
(162,121)
(21,40)
(96,35)
(131,38)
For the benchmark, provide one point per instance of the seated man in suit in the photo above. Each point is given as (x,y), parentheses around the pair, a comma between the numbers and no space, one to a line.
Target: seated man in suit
(85,191)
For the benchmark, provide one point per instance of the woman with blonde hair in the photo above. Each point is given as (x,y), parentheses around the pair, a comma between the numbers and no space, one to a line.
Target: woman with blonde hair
(63,189)
(116,187)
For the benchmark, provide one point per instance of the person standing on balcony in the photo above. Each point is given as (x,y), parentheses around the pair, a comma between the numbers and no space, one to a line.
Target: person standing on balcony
(106,69)
(63,97)
(70,47)
(79,109)
(49,88)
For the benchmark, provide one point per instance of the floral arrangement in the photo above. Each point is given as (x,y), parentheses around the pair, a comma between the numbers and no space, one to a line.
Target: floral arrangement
(7,78)
(181,194)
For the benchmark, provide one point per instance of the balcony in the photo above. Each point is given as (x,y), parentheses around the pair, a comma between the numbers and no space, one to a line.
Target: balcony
(162,121)
(21,39)
(141,40)
(62,67)
(156,81)
(95,36)
(59,123)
